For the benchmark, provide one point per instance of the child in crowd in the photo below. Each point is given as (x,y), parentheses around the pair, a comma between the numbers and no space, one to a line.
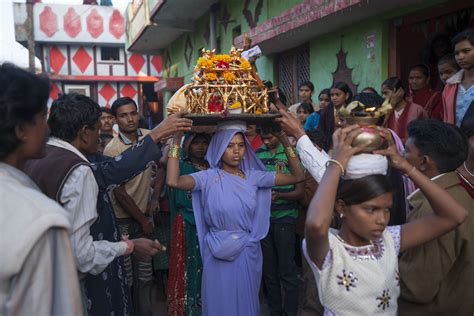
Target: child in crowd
(324,98)
(308,119)
(447,67)
(304,110)
(305,91)
(341,95)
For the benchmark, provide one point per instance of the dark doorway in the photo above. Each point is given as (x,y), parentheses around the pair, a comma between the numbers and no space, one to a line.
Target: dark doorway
(422,36)
(293,69)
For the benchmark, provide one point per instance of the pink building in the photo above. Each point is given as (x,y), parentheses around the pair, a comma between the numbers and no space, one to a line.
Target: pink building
(82,49)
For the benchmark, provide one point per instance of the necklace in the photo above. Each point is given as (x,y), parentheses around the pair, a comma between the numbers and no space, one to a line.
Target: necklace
(238,173)
(467,170)
(372,251)
(345,242)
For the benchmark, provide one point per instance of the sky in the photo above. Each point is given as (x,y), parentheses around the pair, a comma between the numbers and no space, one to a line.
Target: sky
(10,50)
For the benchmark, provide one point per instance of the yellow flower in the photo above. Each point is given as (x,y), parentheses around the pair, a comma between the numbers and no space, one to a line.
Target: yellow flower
(221,57)
(236,105)
(211,76)
(258,111)
(204,63)
(229,76)
(244,64)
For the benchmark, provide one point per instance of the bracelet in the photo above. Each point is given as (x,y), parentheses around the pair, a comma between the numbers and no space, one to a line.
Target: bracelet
(334,161)
(290,152)
(174,151)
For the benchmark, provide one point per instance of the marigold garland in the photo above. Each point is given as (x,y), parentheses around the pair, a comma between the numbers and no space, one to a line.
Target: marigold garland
(211,76)
(229,76)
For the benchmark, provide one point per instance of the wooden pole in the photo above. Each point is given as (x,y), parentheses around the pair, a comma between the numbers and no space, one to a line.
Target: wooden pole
(30,36)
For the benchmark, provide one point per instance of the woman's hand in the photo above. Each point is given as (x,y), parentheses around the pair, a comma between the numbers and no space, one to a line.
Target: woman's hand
(397,96)
(342,144)
(395,159)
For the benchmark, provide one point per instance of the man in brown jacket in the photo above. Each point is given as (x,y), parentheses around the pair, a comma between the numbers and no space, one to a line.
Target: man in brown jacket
(437,278)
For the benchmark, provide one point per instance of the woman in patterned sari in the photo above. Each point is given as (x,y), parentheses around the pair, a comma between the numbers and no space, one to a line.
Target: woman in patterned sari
(185,269)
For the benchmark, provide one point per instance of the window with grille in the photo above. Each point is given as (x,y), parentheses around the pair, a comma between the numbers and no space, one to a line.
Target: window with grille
(293,69)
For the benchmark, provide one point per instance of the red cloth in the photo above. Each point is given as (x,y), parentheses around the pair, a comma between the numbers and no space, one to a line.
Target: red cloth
(449,97)
(431,101)
(449,103)
(466,185)
(177,276)
(411,112)
(256,142)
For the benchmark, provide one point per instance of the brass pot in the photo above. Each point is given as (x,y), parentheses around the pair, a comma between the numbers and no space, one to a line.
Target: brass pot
(371,132)
(361,120)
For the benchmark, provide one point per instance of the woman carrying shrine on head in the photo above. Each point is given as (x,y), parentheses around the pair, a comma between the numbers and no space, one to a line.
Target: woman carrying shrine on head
(231,203)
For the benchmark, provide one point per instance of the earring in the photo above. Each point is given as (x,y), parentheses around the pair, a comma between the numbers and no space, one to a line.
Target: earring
(341,215)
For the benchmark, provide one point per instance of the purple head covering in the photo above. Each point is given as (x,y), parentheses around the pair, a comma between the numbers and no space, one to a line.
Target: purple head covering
(219,144)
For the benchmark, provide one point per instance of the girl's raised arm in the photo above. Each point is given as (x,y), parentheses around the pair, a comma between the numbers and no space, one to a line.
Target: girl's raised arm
(321,208)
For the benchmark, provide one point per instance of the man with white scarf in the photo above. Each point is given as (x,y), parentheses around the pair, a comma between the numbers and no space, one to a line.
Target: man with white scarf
(37,270)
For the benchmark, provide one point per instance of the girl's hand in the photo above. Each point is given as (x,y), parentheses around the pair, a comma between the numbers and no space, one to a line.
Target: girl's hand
(395,159)
(342,139)
(397,96)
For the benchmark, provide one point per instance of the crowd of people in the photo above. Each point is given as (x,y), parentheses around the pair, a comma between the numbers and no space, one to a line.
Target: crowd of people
(292,214)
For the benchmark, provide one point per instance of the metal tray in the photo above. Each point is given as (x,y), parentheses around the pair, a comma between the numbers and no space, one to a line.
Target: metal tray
(213,119)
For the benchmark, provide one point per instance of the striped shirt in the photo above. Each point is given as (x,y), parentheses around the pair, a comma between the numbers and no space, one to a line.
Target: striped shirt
(278,162)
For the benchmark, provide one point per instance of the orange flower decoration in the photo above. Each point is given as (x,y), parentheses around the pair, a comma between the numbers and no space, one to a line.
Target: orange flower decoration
(211,76)
(244,64)
(229,76)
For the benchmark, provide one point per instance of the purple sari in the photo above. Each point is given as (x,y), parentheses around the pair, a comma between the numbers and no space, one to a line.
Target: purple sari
(232,216)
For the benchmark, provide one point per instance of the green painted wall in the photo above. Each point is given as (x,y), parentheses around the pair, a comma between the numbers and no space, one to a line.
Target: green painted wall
(368,64)
(225,33)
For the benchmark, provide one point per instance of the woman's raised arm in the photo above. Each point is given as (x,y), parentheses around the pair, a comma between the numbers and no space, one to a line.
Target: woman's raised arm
(296,174)
(173,179)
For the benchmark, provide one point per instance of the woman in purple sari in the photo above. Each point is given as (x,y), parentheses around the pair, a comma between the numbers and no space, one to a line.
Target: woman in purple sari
(231,201)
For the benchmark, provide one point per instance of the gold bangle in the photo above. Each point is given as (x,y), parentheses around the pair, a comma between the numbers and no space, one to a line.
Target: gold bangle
(174,151)
(290,152)
(334,161)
